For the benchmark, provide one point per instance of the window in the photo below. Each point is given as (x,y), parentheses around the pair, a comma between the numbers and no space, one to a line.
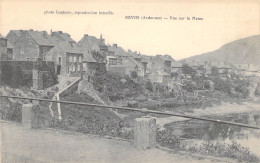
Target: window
(80,58)
(112,61)
(70,58)
(75,58)
(59,60)
(44,50)
(4,42)
(79,68)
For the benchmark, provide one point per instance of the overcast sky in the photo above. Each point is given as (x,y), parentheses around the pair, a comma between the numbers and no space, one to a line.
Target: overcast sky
(222,22)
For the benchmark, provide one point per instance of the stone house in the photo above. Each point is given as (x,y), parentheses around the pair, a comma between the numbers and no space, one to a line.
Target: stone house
(160,77)
(176,70)
(140,59)
(123,62)
(68,59)
(89,65)
(125,66)
(161,63)
(31,44)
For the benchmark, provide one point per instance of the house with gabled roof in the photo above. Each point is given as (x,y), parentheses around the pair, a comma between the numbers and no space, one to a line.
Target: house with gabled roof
(162,63)
(13,35)
(71,60)
(123,62)
(31,45)
(62,36)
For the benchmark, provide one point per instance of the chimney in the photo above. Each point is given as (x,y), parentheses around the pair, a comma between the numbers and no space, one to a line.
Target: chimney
(31,29)
(115,45)
(60,32)
(85,35)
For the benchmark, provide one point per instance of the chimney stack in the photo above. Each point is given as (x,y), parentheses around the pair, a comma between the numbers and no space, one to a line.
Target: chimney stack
(115,45)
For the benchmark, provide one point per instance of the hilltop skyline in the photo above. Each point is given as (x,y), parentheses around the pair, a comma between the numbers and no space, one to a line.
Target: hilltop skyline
(222,23)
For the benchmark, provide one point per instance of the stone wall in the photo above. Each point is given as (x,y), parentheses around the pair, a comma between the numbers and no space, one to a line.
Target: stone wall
(38,75)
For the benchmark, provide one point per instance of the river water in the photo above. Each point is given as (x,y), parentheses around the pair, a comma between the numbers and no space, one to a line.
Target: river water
(199,131)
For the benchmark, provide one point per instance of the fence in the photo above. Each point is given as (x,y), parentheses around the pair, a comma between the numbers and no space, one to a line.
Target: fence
(144,127)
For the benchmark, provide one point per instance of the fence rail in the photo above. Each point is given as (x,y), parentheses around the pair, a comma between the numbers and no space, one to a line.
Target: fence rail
(145,111)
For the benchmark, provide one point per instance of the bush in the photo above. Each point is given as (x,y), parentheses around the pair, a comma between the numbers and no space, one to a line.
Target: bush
(149,86)
(167,139)
(234,150)
(134,74)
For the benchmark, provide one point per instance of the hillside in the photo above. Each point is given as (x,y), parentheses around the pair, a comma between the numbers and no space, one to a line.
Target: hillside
(246,50)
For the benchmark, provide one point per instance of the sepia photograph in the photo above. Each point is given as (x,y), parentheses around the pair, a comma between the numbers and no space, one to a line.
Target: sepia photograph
(122,81)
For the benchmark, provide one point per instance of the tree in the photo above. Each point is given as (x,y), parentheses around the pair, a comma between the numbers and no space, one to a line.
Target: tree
(101,71)
(149,86)
(187,70)
(214,71)
(134,74)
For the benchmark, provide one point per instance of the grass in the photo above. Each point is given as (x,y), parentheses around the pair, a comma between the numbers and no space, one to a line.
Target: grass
(233,151)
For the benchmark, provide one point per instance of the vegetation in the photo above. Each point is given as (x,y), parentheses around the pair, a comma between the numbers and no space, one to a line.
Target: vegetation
(234,151)
(187,70)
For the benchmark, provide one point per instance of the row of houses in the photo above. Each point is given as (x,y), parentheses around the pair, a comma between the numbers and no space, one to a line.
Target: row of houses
(73,58)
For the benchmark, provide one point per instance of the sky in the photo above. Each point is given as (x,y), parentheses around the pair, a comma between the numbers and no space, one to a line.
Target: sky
(223,22)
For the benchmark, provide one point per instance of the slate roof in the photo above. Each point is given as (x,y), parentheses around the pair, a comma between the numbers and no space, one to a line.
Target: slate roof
(63,36)
(91,43)
(134,54)
(165,57)
(16,33)
(135,62)
(42,38)
(119,51)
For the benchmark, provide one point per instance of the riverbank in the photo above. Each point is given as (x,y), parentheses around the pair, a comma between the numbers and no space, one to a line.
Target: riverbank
(224,108)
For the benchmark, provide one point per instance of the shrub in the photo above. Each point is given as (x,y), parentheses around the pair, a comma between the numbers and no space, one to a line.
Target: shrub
(134,74)
(149,86)
(167,139)
(234,150)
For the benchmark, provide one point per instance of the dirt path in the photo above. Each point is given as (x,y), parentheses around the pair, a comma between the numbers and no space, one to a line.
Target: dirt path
(20,145)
